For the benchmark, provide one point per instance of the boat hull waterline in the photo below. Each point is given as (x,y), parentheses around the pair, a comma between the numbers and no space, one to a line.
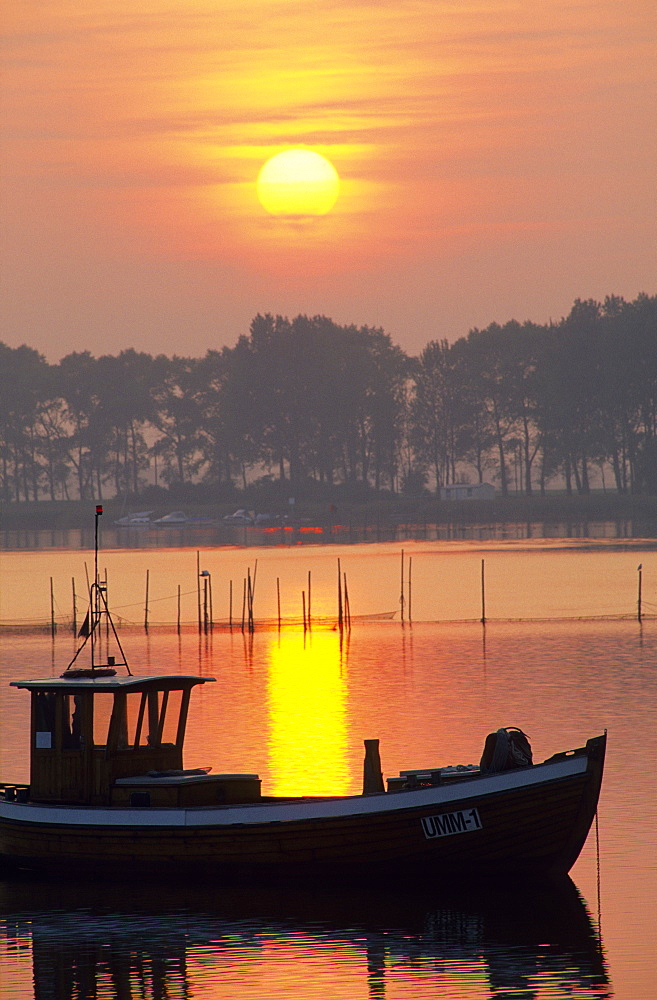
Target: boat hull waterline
(526,821)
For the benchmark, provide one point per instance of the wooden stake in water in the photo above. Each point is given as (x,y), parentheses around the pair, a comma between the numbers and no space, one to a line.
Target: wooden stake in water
(401,595)
(75,608)
(249,606)
(53,627)
(483,595)
(640,570)
(303,604)
(205,601)
(339,596)
(146,603)
(198,587)
(278,600)
(372,774)
(410,562)
(178,607)
(230,606)
(107,617)
(255,573)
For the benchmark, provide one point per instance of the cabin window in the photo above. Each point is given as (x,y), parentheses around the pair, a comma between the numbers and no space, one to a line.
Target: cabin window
(72,710)
(170,727)
(137,719)
(152,718)
(118,730)
(163,712)
(58,721)
(103,705)
(44,720)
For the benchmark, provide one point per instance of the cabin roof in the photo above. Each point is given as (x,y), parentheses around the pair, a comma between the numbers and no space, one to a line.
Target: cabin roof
(159,682)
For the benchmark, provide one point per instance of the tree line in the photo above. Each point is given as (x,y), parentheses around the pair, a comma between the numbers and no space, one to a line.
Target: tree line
(306,401)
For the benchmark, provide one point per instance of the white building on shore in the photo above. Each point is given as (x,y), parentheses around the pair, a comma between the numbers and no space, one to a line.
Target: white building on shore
(467,491)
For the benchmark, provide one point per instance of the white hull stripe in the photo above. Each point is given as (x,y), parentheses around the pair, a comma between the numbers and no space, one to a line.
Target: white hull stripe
(258,813)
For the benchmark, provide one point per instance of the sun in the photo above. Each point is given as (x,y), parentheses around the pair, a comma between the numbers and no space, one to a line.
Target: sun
(298,182)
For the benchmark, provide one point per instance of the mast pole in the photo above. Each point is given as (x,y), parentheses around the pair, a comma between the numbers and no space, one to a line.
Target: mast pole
(96,597)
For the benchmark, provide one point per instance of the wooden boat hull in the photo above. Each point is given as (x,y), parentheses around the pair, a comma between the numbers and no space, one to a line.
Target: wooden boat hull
(529,821)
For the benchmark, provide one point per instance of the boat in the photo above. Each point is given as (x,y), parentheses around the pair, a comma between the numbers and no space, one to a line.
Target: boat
(240,516)
(249,517)
(109,792)
(141,519)
(178,519)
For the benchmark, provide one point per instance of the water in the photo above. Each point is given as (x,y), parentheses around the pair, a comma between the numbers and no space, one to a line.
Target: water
(440,581)
(295,707)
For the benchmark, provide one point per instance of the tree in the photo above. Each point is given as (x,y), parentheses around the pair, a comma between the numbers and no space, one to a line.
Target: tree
(178,416)
(447,418)
(322,398)
(24,378)
(490,362)
(88,443)
(126,405)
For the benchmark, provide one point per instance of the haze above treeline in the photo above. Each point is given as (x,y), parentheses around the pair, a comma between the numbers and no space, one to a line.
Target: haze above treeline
(308,404)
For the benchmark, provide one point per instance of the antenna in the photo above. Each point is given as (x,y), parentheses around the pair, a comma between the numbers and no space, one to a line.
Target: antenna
(96,589)
(97,608)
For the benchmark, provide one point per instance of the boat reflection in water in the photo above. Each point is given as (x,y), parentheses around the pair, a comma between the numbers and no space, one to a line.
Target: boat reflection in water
(97,940)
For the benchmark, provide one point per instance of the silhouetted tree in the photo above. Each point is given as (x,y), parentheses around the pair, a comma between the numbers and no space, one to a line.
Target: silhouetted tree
(178,417)
(24,381)
(318,401)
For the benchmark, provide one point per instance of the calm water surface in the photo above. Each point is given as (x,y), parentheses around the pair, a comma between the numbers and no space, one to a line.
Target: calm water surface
(295,707)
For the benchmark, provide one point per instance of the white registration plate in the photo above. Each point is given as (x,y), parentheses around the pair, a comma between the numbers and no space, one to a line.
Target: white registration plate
(447,824)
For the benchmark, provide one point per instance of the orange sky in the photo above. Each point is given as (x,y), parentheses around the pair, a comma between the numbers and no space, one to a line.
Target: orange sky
(498,159)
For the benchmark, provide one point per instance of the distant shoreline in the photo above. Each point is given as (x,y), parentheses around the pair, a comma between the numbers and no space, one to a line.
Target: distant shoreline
(388,511)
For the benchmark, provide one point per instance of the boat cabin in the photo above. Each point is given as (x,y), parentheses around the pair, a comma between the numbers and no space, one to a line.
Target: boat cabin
(119,741)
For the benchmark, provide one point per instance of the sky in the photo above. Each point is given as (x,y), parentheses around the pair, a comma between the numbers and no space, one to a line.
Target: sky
(497,160)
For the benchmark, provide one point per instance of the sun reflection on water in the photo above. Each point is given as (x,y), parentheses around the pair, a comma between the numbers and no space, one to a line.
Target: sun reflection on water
(306,700)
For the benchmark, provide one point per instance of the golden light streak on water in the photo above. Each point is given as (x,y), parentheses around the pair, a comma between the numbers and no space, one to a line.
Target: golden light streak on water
(306,701)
